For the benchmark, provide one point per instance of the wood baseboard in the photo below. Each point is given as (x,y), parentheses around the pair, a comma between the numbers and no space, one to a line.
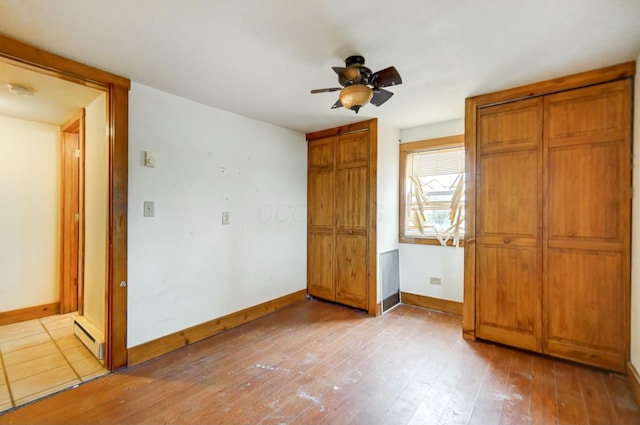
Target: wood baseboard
(157,347)
(634,382)
(432,303)
(29,313)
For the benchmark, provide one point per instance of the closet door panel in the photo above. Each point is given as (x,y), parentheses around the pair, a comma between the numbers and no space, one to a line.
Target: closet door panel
(353,149)
(508,190)
(321,272)
(587,217)
(585,192)
(321,204)
(321,153)
(508,224)
(583,312)
(597,113)
(510,125)
(351,198)
(352,271)
(508,302)
(321,218)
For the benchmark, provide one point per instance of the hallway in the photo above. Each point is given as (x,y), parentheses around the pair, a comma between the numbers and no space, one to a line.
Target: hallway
(40,357)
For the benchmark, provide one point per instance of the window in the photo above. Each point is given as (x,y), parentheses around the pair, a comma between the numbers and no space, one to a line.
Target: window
(432,191)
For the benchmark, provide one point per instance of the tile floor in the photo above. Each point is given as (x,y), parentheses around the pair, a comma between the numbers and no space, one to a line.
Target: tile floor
(40,357)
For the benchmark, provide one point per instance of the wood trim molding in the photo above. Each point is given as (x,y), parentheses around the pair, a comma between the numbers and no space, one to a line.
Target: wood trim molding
(58,66)
(582,79)
(634,381)
(116,330)
(29,313)
(372,231)
(72,202)
(431,303)
(349,128)
(428,241)
(433,144)
(469,295)
(157,347)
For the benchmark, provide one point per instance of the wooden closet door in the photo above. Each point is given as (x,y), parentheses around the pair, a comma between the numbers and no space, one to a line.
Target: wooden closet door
(587,244)
(321,218)
(352,206)
(508,220)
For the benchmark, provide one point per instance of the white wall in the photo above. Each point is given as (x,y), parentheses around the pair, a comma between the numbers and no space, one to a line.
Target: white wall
(387,192)
(96,209)
(419,262)
(635,235)
(29,214)
(185,267)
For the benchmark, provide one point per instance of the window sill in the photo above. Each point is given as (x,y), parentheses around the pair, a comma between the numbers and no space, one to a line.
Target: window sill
(427,241)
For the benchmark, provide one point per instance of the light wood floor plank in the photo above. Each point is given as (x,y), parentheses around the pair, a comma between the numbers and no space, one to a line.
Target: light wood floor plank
(319,363)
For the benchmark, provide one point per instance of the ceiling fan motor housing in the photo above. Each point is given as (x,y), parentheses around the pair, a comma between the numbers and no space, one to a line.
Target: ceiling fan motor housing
(355,60)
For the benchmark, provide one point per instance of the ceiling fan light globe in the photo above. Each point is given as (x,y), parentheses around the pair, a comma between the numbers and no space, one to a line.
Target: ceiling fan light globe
(351,73)
(355,96)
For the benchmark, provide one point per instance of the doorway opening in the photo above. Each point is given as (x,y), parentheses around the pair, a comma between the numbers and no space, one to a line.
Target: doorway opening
(116,90)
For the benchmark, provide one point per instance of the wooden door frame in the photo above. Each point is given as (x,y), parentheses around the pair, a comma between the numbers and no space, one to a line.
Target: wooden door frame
(117,90)
(472,104)
(72,302)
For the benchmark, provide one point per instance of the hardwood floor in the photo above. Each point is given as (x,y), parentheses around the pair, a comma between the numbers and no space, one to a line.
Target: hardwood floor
(318,363)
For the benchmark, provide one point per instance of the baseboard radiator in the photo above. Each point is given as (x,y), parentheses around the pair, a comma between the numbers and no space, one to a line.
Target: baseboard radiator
(90,336)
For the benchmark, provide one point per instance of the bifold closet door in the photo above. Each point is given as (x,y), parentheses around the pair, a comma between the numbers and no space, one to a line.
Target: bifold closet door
(352,206)
(508,220)
(587,243)
(321,217)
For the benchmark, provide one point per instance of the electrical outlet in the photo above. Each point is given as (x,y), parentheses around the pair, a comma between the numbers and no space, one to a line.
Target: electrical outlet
(435,280)
(225,217)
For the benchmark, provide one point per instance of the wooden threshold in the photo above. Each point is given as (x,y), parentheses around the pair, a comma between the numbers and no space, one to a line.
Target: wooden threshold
(29,313)
(166,344)
(432,303)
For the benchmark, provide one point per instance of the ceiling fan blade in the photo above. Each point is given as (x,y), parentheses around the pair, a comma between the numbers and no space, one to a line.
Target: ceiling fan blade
(338,69)
(386,77)
(326,90)
(380,96)
(338,104)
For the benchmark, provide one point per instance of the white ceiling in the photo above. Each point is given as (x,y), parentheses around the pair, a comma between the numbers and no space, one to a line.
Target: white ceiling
(53,101)
(260,58)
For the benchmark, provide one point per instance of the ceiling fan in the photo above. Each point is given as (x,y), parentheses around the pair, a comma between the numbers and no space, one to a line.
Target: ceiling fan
(360,85)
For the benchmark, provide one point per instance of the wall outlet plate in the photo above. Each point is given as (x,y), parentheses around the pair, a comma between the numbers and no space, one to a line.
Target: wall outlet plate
(435,280)
(226,219)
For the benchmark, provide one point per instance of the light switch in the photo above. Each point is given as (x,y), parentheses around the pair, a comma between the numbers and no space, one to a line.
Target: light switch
(225,217)
(149,209)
